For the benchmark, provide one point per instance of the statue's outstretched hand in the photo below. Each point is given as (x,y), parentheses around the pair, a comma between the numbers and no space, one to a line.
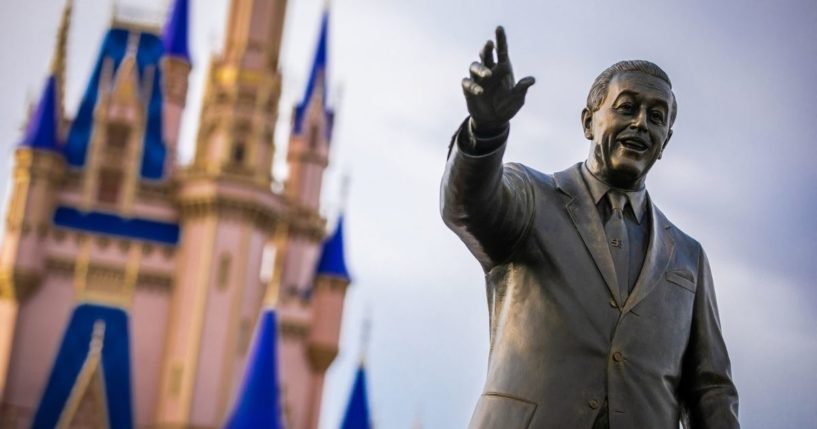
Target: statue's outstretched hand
(491,93)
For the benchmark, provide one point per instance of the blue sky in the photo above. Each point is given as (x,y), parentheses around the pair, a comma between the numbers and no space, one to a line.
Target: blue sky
(738,174)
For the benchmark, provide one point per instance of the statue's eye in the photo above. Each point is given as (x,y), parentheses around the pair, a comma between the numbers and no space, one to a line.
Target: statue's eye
(625,107)
(657,116)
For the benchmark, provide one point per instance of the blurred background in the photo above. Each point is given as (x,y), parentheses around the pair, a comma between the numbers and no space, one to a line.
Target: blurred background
(738,174)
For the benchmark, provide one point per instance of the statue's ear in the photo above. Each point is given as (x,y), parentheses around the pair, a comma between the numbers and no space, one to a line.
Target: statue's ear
(666,142)
(587,123)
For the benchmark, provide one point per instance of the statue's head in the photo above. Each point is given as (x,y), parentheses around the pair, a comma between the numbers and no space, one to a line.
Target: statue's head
(629,116)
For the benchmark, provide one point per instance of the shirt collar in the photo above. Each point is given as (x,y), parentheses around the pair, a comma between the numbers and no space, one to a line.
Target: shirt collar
(598,189)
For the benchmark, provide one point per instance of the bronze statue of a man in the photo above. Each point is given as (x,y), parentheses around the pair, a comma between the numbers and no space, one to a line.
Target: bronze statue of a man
(602,312)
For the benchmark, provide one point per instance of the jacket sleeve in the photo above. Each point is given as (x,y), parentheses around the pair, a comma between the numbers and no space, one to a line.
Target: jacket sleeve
(709,396)
(490,207)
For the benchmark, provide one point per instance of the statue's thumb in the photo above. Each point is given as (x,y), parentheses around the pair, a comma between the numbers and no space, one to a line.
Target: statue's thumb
(522,86)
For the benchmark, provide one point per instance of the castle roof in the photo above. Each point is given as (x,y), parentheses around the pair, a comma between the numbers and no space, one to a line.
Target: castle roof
(42,130)
(149,52)
(259,403)
(176,31)
(316,85)
(93,359)
(357,410)
(332,261)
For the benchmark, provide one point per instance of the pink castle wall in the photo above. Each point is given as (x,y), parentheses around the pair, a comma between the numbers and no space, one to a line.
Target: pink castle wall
(148,319)
(42,319)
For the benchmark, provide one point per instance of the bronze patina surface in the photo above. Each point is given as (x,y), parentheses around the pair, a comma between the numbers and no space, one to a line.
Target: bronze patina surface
(602,312)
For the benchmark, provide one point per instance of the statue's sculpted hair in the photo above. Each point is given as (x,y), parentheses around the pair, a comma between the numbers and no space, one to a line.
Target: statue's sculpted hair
(599,89)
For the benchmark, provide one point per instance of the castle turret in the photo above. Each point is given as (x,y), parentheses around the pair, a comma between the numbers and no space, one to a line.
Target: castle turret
(241,99)
(228,213)
(307,157)
(331,280)
(308,150)
(327,296)
(176,66)
(38,167)
(310,305)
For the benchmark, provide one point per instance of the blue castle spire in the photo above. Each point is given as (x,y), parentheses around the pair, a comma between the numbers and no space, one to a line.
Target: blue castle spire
(259,405)
(175,33)
(333,261)
(357,410)
(41,132)
(317,78)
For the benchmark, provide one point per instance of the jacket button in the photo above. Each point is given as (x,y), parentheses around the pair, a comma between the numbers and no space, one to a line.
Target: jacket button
(613,303)
(618,357)
(594,404)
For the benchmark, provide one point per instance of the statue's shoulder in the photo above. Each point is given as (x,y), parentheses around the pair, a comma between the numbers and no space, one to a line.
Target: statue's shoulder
(535,177)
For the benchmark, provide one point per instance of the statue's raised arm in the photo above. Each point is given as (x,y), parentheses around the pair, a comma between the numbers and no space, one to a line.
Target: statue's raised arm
(489,206)
(491,93)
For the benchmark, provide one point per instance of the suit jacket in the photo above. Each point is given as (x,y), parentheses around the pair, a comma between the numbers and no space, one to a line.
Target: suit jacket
(562,342)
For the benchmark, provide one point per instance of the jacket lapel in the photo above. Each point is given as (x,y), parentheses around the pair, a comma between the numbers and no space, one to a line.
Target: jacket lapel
(585,217)
(659,253)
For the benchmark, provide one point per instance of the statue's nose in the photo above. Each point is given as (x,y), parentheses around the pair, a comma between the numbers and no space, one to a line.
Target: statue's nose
(640,120)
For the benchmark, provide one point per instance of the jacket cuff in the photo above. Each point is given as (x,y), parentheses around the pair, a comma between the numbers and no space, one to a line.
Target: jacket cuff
(470,143)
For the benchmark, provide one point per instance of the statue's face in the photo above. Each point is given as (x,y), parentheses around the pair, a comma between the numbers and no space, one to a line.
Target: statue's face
(629,130)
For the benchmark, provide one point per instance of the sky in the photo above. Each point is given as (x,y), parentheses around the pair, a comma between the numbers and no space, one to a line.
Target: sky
(738,174)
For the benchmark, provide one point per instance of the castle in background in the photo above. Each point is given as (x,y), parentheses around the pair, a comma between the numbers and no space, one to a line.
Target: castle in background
(129,285)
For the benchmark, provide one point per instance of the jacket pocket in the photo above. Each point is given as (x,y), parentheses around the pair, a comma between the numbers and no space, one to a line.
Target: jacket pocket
(501,411)
(685,279)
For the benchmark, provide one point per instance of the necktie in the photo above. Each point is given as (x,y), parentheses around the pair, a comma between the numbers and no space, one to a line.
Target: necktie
(616,231)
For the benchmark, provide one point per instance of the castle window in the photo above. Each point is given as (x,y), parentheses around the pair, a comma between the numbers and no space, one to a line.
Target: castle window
(223,272)
(246,98)
(176,379)
(267,263)
(238,152)
(110,182)
(244,336)
(118,134)
(313,137)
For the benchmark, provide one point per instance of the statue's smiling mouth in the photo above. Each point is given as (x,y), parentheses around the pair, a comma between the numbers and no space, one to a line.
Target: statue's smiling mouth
(633,143)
